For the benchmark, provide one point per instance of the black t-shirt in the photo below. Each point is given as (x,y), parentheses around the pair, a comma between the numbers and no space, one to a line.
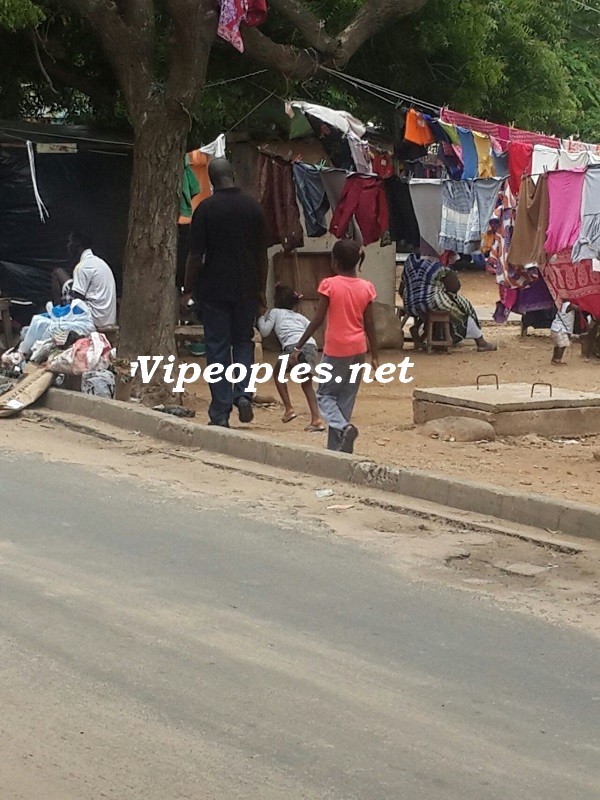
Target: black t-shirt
(229,233)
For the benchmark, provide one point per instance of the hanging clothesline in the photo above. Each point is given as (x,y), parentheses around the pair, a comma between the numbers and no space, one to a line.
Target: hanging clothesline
(373,88)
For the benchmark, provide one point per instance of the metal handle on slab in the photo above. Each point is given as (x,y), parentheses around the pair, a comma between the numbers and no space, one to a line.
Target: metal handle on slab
(533,385)
(488,375)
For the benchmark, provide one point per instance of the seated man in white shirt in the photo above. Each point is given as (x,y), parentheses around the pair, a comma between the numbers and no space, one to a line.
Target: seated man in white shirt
(93,281)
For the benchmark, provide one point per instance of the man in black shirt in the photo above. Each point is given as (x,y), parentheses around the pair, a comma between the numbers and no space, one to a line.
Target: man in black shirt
(227,270)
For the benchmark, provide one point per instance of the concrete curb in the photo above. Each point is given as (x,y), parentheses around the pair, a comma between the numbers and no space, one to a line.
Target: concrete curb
(570,518)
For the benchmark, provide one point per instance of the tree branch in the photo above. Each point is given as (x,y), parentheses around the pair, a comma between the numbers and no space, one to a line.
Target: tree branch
(136,13)
(126,50)
(312,29)
(139,16)
(38,57)
(195,29)
(95,90)
(292,61)
(297,63)
(371,18)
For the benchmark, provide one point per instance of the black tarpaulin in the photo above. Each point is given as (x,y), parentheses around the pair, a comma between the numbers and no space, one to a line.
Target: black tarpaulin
(84,190)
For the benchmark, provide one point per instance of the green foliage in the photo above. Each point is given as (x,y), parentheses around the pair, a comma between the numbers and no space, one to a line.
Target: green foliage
(16,14)
(512,61)
(534,63)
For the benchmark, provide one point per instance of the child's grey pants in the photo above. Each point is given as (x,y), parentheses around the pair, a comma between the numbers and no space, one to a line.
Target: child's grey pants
(336,398)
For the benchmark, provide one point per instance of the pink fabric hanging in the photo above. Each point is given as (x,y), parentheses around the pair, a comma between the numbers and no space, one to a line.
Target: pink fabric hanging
(233,13)
(565,192)
(501,132)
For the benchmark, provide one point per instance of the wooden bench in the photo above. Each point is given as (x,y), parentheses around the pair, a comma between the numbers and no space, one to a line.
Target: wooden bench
(188,333)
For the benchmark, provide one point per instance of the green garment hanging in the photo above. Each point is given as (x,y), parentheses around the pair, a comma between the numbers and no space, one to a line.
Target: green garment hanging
(189,188)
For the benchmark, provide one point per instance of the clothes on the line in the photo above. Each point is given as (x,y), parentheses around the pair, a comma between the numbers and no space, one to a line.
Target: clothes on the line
(483,146)
(502,225)
(277,197)
(383,165)
(404,150)
(426,196)
(460,229)
(501,168)
(532,298)
(189,189)
(451,132)
(402,220)
(288,326)
(519,163)
(575,282)
(544,159)
(217,148)
(235,12)
(198,162)
(448,157)
(565,191)
(341,120)
(469,154)
(588,242)
(417,130)
(313,198)
(531,223)
(363,197)
(487,192)
(361,153)
(503,133)
(576,160)
(334,181)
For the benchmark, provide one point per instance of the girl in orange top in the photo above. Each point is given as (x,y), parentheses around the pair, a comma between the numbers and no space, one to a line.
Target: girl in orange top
(347,301)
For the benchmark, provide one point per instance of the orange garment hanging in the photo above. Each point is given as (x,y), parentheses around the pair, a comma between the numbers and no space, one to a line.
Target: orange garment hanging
(417,129)
(199,164)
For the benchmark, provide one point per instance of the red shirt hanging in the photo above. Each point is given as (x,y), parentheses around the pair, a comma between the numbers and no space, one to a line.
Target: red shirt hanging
(364,198)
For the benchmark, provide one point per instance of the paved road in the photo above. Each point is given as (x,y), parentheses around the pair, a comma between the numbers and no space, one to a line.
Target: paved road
(153,650)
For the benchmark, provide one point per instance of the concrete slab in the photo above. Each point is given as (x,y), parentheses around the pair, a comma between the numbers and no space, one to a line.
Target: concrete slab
(515,409)
(509,397)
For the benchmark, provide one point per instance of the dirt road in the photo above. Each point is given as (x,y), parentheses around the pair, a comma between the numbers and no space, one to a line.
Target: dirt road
(173,627)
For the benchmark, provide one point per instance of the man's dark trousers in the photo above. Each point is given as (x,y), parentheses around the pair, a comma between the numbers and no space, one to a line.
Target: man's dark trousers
(228,338)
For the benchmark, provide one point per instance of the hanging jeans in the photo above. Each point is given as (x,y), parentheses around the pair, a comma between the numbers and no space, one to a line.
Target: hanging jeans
(336,398)
(228,338)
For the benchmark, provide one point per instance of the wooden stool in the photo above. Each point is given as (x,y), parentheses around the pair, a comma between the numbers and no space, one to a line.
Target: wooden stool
(188,333)
(438,318)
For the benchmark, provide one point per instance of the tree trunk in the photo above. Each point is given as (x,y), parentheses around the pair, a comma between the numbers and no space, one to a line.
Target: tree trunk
(148,309)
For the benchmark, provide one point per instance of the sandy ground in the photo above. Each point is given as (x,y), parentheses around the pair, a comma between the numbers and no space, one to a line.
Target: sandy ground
(459,554)
(558,466)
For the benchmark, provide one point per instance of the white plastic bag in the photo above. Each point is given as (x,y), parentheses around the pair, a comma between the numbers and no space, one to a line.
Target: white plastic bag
(75,317)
